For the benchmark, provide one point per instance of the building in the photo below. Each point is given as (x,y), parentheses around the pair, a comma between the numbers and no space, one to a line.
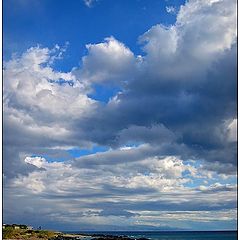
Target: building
(15,226)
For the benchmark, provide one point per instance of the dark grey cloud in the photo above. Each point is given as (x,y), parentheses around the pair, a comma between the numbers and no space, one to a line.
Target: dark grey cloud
(191,110)
(116,212)
(166,206)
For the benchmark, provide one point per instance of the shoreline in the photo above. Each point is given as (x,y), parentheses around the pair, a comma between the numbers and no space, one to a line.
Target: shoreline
(96,237)
(21,234)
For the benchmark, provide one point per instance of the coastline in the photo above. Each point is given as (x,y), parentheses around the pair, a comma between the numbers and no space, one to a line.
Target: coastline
(120,235)
(21,234)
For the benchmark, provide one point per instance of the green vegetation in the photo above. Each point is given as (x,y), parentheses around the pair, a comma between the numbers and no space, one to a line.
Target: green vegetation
(10,233)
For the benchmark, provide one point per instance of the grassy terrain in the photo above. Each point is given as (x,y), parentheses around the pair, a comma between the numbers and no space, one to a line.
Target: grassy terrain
(10,233)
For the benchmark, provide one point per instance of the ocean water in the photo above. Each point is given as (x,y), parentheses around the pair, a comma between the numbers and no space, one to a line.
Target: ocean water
(193,235)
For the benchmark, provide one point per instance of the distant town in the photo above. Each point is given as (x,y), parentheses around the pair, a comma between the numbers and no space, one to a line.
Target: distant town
(17,226)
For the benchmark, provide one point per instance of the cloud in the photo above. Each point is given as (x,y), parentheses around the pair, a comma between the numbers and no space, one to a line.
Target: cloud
(177,84)
(216,187)
(185,216)
(64,193)
(36,106)
(189,46)
(115,212)
(89,3)
(170,130)
(152,107)
(232,130)
(171,9)
(28,83)
(110,61)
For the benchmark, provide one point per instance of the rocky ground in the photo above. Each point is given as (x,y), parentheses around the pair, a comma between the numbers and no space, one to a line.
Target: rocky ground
(94,237)
(13,234)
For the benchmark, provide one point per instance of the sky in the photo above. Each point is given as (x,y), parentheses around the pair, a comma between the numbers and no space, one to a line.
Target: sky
(120,115)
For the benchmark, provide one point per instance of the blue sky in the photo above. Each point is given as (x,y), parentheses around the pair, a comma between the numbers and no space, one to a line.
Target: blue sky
(27,23)
(120,114)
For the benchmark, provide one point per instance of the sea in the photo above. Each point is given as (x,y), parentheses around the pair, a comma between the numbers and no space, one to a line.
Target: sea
(176,235)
